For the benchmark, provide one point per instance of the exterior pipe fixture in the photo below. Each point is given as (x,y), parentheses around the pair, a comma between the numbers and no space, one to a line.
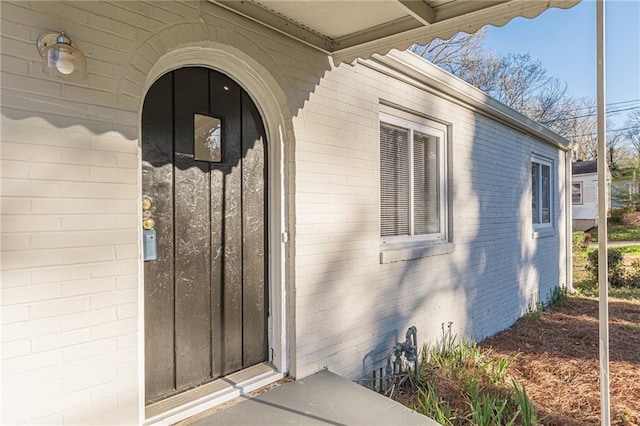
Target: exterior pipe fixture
(408,348)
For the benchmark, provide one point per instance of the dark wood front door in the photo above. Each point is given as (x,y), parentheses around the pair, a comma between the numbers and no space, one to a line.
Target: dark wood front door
(203,168)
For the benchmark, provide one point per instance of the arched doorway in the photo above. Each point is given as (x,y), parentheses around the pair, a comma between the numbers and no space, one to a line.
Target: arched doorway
(204,172)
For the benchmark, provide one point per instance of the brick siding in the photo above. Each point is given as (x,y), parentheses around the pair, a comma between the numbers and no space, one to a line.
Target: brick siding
(70,190)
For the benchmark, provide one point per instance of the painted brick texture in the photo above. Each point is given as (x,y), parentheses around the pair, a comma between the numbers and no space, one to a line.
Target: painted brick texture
(70,189)
(71,302)
(65,222)
(69,226)
(352,308)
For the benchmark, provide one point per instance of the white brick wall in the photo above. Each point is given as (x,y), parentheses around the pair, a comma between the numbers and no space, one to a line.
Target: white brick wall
(351,308)
(69,230)
(66,221)
(70,262)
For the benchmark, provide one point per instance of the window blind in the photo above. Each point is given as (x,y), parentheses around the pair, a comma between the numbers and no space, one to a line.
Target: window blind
(426,200)
(535,188)
(394,180)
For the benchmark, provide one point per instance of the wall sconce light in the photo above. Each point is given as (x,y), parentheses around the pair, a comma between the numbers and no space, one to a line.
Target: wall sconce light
(60,57)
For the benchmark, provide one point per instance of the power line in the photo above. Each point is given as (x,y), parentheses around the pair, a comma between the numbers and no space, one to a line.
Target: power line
(592,114)
(631,101)
(608,132)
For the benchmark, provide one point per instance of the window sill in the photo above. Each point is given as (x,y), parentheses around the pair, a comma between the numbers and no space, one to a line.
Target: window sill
(398,252)
(543,233)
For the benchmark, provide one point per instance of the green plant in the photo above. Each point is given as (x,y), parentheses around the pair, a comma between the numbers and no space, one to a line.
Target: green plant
(616,270)
(633,274)
(497,369)
(625,416)
(558,296)
(618,233)
(631,200)
(488,409)
(534,310)
(464,368)
(623,233)
(527,411)
(633,250)
(579,240)
(431,406)
(629,294)
(616,215)
(451,354)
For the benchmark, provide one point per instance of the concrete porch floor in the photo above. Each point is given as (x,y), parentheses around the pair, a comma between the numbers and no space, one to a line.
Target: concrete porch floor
(322,398)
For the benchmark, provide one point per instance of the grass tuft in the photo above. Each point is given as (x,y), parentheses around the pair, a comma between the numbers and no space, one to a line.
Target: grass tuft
(527,411)
(463,384)
(618,233)
(590,290)
(631,250)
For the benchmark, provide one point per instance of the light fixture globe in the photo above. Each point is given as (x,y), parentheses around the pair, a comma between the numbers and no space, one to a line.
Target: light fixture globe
(61,58)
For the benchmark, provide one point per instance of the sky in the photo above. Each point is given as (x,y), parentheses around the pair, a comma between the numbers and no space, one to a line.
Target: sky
(564,41)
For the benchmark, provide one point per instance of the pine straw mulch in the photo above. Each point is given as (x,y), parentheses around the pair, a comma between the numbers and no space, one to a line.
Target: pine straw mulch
(556,358)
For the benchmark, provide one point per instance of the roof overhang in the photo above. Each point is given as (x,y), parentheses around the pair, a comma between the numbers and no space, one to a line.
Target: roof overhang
(351,29)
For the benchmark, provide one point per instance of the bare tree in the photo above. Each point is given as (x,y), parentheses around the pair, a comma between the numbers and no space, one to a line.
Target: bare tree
(523,84)
(631,130)
(451,54)
(626,172)
(577,122)
(618,154)
(520,81)
(517,80)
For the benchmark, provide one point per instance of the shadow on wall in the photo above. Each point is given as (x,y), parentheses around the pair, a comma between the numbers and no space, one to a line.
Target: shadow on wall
(501,185)
(97,123)
(483,287)
(110,99)
(521,270)
(492,270)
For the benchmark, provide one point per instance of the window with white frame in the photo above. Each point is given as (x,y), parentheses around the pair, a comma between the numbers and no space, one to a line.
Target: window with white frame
(576,193)
(412,179)
(541,191)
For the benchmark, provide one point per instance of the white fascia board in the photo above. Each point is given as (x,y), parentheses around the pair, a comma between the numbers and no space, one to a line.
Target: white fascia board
(256,13)
(421,25)
(464,16)
(422,71)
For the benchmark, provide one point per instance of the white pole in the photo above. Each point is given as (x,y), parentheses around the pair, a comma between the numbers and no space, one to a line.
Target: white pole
(603,284)
(568,203)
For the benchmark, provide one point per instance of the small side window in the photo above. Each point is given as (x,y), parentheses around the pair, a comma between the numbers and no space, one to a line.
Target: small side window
(576,193)
(542,173)
(208,138)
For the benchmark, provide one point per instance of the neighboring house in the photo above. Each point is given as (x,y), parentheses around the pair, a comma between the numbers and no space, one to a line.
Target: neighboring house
(584,194)
(312,197)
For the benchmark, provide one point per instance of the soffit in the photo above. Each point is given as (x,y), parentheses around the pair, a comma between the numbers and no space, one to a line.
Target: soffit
(351,29)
